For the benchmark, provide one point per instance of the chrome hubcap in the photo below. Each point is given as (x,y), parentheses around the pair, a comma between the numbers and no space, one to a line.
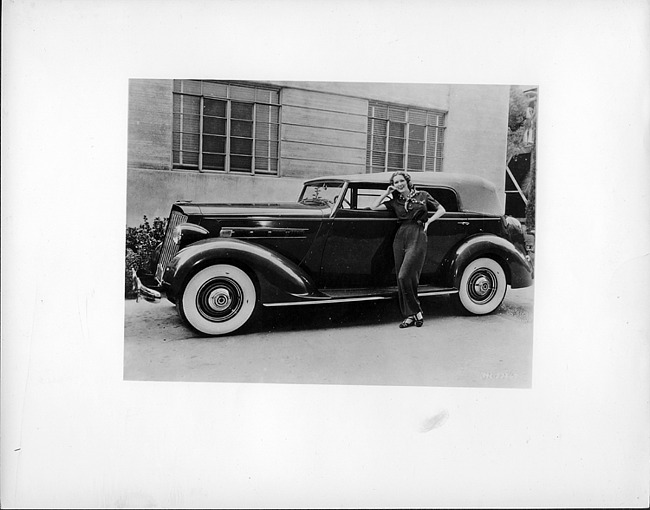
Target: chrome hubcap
(482,286)
(220,299)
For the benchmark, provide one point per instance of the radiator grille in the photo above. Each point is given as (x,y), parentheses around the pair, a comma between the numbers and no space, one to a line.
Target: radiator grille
(169,248)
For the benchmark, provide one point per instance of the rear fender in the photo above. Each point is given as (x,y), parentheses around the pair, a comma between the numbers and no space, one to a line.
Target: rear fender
(278,278)
(517,267)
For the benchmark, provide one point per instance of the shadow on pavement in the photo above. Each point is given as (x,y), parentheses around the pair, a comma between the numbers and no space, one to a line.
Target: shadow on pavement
(337,315)
(341,315)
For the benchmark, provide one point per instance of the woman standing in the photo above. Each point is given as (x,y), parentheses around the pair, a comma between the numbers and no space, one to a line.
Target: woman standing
(410,245)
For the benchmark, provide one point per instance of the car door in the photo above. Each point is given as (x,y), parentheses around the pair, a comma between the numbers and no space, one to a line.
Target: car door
(359,249)
(446,233)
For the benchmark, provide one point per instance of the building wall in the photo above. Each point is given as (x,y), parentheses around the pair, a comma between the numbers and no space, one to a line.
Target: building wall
(477,132)
(152,192)
(322,134)
(150,124)
(323,131)
(424,95)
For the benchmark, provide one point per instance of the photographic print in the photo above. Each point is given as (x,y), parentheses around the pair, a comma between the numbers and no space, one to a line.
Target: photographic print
(290,254)
(330,233)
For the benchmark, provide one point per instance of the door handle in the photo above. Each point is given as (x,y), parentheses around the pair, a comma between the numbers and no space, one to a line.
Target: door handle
(463,222)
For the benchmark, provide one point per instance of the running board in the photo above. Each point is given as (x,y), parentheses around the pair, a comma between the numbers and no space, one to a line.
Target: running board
(348,295)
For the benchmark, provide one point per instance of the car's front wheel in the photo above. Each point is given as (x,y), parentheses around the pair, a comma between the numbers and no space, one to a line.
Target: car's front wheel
(218,300)
(482,287)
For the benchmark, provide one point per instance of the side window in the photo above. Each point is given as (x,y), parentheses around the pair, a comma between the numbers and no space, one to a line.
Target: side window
(362,198)
(445,196)
(366,197)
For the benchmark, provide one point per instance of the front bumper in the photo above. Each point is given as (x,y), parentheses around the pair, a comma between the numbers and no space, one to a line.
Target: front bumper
(153,296)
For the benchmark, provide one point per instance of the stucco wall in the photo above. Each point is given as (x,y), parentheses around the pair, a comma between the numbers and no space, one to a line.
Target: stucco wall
(152,192)
(424,95)
(477,131)
(150,124)
(322,134)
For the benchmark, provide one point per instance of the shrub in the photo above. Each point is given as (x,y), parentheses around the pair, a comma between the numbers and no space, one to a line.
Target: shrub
(141,244)
(131,263)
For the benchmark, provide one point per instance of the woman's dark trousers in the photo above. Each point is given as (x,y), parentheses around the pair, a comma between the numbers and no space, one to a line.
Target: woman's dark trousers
(410,250)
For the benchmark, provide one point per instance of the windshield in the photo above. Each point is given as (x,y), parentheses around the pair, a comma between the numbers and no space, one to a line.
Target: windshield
(325,193)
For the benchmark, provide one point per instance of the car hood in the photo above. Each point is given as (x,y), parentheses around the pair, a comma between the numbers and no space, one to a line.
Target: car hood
(278,209)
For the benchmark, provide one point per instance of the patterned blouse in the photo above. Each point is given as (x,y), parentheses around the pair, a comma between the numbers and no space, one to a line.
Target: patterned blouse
(412,208)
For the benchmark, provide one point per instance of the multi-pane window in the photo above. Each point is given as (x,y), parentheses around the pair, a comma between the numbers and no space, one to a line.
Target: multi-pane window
(404,138)
(225,127)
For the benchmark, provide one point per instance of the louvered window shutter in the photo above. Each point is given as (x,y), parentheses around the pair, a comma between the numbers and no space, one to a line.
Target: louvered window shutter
(404,138)
(219,126)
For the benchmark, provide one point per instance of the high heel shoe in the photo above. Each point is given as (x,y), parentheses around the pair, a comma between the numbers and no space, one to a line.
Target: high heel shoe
(419,320)
(408,322)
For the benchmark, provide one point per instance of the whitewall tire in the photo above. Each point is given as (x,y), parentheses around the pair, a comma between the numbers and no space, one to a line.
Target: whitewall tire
(218,300)
(482,287)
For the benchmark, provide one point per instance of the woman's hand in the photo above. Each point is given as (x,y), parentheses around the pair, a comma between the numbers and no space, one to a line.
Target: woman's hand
(378,203)
(441,210)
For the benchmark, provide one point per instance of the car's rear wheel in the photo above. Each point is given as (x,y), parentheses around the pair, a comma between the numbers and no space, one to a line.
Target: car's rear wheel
(482,287)
(218,300)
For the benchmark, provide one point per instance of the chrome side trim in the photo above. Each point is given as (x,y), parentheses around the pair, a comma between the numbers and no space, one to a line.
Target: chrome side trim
(437,292)
(244,237)
(268,217)
(325,301)
(263,232)
(268,230)
(393,219)
(364,298)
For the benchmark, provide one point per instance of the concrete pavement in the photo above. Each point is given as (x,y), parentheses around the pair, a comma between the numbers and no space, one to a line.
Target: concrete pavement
(357,343)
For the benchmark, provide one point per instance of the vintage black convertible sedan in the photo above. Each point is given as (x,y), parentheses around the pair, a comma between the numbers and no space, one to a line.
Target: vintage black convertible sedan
(219,262)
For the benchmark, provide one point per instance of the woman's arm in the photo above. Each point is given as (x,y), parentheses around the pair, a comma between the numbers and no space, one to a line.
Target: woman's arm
(439,212)
(378,203)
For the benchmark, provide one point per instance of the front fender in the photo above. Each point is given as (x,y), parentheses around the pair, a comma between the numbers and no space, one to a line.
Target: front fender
(517,266)
(279,278)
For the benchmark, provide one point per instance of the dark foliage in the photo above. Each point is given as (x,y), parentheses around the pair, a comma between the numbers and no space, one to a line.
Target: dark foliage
(518,125)
(141,244)
(530,209)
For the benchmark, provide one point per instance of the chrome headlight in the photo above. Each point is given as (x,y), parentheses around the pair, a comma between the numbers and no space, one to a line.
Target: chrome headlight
(194,232)
(177,234)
